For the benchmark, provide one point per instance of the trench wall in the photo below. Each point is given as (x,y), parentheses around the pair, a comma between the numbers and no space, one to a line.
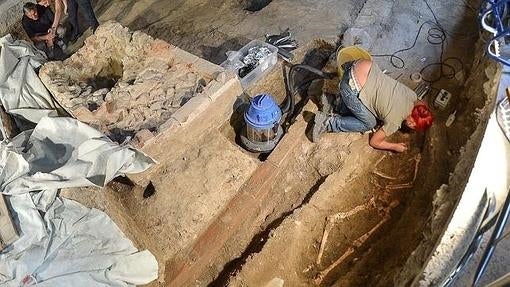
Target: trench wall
(476,104)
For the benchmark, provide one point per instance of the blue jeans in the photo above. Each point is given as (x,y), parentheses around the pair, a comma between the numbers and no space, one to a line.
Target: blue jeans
(86,9)
(353,114)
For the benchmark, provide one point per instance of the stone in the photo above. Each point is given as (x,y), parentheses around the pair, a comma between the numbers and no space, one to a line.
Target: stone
(142,136)
(100,92)
(221,77)
(150,74)
(192,77)
(170,92)
(120,103)
(157,93)
(74,88)
(187,96)
(122,85)
(153,80)
(84,114)
(86,92)
(103,115)
(158,64)
(166,115)
(150,124)
(184,85)
(77,101)
(157,106)
(108,97)
(75,94)
(137,116)
(176,101)
(170,124)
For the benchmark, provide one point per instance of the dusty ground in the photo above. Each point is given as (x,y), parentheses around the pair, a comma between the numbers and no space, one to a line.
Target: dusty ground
(209,28)
(376,260)
(339,174)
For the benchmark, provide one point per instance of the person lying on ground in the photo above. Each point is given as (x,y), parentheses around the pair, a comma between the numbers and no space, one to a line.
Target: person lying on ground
(37,22)
(368,95)
(60,6)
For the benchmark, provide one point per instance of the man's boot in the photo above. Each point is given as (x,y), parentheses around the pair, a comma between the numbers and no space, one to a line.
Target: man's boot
(320,125)
(327,103)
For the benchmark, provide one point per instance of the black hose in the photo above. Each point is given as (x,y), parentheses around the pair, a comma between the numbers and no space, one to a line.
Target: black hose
(486,223)
(285,106)
(496,234)
(316,71)
(289,103)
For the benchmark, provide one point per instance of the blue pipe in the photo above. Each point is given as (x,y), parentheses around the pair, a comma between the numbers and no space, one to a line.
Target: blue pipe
(495,11)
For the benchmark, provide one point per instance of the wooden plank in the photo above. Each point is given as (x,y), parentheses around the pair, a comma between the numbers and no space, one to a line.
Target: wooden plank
(8,232)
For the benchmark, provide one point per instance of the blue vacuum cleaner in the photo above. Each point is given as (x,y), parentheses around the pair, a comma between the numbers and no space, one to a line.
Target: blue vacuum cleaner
(263,129)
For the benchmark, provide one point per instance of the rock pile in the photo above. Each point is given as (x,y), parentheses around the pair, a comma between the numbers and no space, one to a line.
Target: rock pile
(125,84)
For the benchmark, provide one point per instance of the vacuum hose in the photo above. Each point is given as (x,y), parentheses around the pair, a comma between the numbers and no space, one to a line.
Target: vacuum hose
(288,105)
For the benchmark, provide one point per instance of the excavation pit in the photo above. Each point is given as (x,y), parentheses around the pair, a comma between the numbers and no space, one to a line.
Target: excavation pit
(211,201)
(129,85)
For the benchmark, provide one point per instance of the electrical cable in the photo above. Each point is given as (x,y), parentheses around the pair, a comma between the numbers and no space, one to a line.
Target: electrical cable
(436,35)
(456,36)
(502,237)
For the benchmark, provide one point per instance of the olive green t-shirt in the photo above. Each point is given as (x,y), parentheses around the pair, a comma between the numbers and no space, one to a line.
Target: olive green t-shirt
(388,99)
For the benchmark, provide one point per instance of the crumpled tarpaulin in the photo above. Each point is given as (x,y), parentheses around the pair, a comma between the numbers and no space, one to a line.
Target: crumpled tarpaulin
(21,91)
(69,244)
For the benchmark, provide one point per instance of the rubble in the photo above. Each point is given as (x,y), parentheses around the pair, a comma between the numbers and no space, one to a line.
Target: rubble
(123,83)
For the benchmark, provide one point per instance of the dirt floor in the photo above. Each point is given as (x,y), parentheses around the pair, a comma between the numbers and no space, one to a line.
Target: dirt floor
(374,240)
(209,28)
(375,206)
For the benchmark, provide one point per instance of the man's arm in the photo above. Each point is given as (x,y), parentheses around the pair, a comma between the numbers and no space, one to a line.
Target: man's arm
(59,8)
(378,141)
(40,38)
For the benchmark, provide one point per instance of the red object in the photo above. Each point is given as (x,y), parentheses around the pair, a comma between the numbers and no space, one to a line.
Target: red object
(28,280)
(422,116)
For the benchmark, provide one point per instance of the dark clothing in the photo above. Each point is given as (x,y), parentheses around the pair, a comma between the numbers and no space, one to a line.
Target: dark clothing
(41,25)
(85,9)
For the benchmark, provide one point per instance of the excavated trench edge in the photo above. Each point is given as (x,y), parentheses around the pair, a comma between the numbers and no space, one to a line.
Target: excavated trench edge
(233,267)
(258,242)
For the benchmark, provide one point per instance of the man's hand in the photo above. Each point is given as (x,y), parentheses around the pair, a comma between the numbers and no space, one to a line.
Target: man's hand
(378,141)
(400,147)
(53,32)
(49,39)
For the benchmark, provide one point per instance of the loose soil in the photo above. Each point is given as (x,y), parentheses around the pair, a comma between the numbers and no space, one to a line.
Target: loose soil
(338,174)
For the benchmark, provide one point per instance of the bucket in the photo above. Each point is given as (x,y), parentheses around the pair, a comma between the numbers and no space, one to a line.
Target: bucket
(349,54)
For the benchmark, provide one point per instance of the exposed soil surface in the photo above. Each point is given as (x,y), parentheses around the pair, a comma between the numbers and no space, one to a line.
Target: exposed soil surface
(376,206)
(209,28)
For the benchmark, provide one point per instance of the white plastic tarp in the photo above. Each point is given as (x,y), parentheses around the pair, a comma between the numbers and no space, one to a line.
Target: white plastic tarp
(21,91)
(62,242)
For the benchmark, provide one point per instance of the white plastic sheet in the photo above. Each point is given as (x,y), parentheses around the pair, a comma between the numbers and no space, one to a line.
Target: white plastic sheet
(64,152)
(21,91)
(62,242)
